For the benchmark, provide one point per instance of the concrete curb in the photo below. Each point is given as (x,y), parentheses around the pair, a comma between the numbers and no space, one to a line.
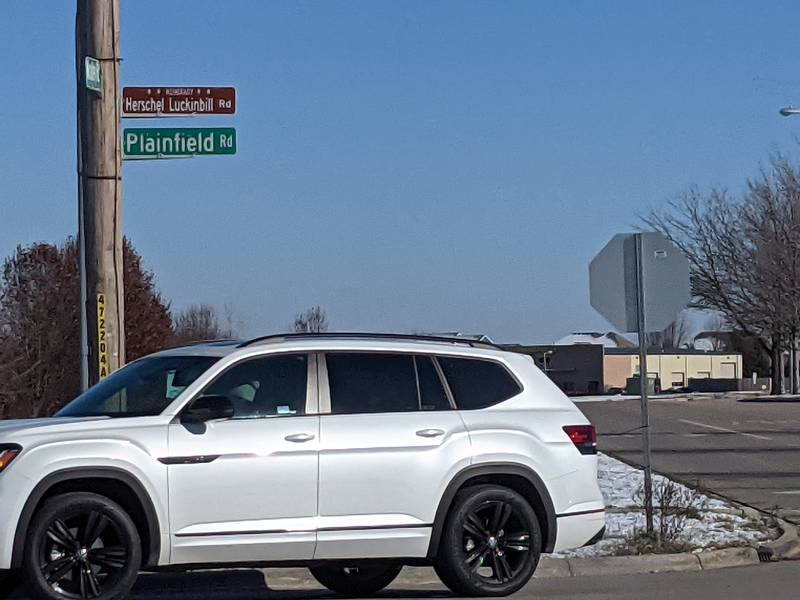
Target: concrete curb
(728,557)
(630,565)
(648,563)
(786,547)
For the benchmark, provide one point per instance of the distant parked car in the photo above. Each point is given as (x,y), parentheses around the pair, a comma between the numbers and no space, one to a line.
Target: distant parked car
(351,454)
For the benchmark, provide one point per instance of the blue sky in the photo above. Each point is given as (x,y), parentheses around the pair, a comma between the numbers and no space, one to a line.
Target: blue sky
(431,166)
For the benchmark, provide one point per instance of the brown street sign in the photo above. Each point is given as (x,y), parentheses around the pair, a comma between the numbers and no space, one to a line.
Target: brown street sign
(178,101)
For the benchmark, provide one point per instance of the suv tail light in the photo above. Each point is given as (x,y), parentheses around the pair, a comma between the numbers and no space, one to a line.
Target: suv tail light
(584,437)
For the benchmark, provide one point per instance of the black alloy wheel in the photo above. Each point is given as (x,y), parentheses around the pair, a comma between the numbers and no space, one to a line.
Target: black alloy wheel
(82,545)
(491,543)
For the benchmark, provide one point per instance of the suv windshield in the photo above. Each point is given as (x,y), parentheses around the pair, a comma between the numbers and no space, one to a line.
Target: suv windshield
(143,388)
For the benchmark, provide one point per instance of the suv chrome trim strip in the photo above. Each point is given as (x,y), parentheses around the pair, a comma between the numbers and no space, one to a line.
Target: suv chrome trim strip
(189,460)
(327,529)
(581,512)
(367,527)
(220,533)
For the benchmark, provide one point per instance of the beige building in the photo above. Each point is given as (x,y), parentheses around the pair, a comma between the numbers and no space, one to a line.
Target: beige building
(673,369)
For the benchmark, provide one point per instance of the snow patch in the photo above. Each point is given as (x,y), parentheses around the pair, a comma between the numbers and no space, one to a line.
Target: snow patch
(721,524)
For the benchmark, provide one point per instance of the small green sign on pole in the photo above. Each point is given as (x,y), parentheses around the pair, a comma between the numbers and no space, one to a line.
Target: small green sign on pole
(92,77)
(177,142)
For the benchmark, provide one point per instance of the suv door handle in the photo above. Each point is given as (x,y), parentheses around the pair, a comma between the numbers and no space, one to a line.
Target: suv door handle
(299,438)
(430,433)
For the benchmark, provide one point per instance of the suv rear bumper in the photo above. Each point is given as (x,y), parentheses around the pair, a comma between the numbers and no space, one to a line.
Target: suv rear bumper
(576,529)
(597,537)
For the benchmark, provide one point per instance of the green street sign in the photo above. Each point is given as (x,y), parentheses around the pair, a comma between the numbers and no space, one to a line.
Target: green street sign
(177,142)
(92,78)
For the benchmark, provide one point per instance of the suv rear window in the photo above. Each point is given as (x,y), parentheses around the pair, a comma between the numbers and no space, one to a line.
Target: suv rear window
(383,383)
(478,383)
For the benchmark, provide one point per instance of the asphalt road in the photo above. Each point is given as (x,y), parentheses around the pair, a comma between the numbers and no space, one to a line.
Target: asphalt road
(745,450)
(775,581)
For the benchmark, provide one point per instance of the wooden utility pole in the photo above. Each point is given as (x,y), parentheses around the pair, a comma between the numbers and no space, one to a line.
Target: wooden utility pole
(100,186)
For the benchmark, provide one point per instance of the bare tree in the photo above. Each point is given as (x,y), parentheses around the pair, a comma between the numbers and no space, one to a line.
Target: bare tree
(148,326)
(745,255)
(199,323)
(313,320)
(674,337)
(771,219)
(232,324)
(39,329)
(717,333)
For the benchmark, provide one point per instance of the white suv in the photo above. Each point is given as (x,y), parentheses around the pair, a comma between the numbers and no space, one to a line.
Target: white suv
(352,454)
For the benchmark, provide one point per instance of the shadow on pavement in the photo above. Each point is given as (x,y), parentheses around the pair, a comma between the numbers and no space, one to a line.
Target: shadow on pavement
(769,399)
(245,584)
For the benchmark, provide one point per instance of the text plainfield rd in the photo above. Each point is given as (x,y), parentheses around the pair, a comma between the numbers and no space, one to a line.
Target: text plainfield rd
(174,142)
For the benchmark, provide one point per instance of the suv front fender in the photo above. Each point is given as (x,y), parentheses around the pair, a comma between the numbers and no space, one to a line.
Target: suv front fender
(150,555)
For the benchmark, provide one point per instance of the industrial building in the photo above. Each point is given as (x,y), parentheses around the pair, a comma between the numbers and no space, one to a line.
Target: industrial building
(595,369)
(673,369)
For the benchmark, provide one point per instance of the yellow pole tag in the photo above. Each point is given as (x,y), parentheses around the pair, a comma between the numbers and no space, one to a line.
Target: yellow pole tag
(102,346)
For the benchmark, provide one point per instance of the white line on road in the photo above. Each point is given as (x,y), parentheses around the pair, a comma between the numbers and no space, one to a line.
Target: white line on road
(789,492)
(752,435)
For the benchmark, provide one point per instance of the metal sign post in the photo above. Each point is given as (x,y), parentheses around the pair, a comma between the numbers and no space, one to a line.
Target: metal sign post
(634,271)
(644,384)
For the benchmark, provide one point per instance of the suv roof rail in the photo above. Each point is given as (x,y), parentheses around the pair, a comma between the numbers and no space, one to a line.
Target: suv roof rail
(371,336)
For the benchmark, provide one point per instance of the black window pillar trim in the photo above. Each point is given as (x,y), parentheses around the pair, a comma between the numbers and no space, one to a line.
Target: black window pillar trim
(416,380)
(149,558)
(445,384)
(488,469)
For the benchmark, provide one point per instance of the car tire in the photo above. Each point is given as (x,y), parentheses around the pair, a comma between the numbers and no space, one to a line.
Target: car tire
(491,542)
(356,579)
(81,545)
(9,582)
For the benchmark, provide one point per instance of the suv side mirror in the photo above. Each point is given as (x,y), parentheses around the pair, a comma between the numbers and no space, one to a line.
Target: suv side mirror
(208,408)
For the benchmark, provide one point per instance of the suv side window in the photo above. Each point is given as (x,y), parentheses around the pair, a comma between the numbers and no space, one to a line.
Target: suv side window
(272,386)
(383,383)
(372,383)
(478,383)
(431,390)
